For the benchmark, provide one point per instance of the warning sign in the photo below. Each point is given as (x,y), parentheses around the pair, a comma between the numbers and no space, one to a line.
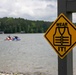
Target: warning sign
(61,35)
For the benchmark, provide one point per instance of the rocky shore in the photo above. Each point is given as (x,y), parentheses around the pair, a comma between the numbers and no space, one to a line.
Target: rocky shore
(35,73)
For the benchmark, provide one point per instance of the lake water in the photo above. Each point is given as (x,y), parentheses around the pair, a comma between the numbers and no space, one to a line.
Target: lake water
(32,55)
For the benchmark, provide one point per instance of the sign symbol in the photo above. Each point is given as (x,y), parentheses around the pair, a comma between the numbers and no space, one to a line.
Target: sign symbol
(61,35)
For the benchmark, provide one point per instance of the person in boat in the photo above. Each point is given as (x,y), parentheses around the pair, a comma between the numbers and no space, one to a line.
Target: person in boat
(16,38)
(9,38)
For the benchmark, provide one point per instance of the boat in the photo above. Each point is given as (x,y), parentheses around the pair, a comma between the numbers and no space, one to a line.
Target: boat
(15,38)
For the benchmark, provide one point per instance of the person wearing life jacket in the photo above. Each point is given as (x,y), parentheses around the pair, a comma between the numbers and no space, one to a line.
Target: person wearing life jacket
(16,38)
(9,38)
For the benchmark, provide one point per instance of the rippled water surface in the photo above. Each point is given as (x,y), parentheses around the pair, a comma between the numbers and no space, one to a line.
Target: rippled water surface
(31,54)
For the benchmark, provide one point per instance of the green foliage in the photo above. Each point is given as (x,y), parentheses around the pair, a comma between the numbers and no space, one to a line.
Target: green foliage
(18,25)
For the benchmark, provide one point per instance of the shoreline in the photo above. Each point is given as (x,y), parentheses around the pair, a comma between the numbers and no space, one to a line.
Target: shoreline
(27,73)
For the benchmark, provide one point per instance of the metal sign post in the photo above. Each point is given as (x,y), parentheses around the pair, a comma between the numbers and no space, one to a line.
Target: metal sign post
(60,36)
(65,66)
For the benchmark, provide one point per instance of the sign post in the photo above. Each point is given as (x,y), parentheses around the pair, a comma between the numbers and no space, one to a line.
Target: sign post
(65,66)
(61,38)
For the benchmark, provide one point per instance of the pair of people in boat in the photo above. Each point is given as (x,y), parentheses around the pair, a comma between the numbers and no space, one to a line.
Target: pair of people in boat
(10,38)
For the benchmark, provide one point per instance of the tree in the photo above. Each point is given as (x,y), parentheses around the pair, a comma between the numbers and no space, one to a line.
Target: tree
(16,25)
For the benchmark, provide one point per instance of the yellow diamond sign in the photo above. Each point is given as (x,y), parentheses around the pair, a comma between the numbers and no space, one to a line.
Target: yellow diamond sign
(61,35)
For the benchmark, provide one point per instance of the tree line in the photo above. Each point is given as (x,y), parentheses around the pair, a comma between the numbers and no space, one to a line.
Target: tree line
(18,25)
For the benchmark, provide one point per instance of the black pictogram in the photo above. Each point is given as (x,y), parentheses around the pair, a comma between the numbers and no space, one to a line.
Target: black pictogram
(62,36)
